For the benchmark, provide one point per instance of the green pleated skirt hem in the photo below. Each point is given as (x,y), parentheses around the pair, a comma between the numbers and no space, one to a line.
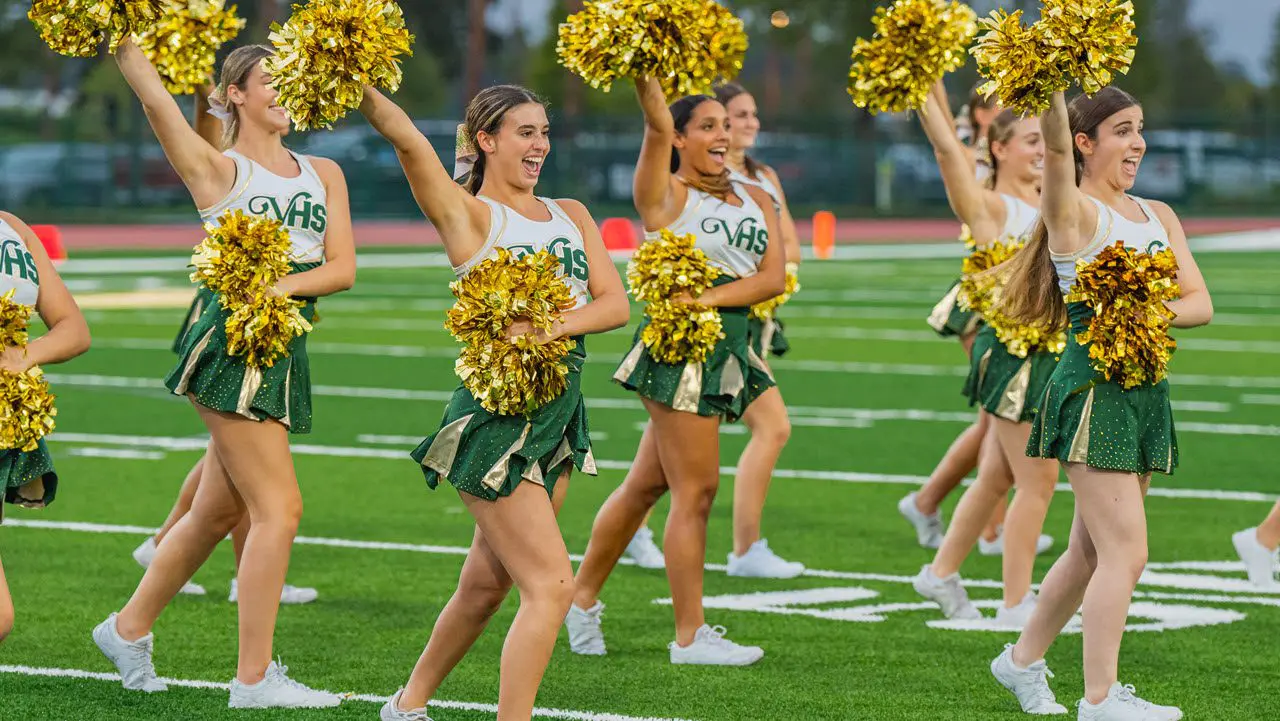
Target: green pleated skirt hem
(767,338)
(203,299)
(18,468)
(1003,384)
(489,456)
(1085,419)
(226,383)
(724,385)
(948,319)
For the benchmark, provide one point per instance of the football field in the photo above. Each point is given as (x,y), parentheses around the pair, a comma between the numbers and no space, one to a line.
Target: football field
(875,400)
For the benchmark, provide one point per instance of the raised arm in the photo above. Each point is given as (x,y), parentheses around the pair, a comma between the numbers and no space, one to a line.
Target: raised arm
(965,194)
(339,270)
(461,218)
(207,126)
(609,307)
(770,279)
(1194,307)
(1061,202)
(207,173)
(68,334)
(653,185)
(786,224)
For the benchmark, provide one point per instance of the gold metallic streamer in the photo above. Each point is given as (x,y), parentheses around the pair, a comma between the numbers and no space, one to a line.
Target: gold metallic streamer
(328,50)
(688,45)
(26,405)
(915,43)
(665,267)
(516,376)
(78,27)
(183,43)
(1128,336)
(766,310)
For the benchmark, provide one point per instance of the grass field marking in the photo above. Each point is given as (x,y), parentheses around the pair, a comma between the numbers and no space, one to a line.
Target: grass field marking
(1165,617)
(1260,399)
(548,713)
(172,443)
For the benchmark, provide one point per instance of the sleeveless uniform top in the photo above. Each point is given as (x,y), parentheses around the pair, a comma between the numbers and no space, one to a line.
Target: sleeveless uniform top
(733,238)
(763,183)
(298,203)
(560,236)
(1148,236)
(1019,218)
(17,267)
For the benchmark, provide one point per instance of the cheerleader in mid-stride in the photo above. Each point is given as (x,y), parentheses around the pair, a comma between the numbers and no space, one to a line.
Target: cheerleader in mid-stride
(210,111)
(1259,549)
(682,184)
(511,472)
(248,411)
(27,477)
(1108,438)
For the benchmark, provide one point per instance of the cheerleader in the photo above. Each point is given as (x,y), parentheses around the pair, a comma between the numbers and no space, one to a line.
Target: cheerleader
(26,271)
(249,412)
(975,123)
(1108,439)
(208,125)
(511,472)
(682,184)
(1003,384)
(1259,549)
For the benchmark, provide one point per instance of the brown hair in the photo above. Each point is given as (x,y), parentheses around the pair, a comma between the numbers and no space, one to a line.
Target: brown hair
(235,71)
(485,114)
(725,93)
(1000,131)
(1031,295)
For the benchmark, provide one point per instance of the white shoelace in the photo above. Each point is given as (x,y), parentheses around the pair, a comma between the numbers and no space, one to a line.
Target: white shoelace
(1128,694)
(141,652)
(279,674)
(1041,687)
(715,636)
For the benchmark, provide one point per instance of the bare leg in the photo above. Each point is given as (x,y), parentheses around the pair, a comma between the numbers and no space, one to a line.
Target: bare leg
(1035,479)
(770,428)
(1269,529)
(1061,594)
(619,519)
(994,481)
(185,496)
(482,587)
(960,459)
(6,607)
(240,536)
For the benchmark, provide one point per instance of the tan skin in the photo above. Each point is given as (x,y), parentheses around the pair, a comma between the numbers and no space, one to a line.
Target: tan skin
(249,468)
(1020,161)
(517,538)
(1108,546)
(767,417)
(679,452)
(67,337)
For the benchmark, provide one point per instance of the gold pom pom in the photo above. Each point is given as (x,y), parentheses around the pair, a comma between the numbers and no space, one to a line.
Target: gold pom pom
(688,45)
(26,406)
(765,310)
(262,328)
(1021,62)
(1095,39)
(183,43)
(328,50)
(976,285)
(1129,331)
(915,43)
(664,267)
(520,375)
(78,27)
(679,333)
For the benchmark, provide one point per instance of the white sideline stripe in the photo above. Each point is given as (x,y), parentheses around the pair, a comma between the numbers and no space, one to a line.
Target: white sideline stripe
(549,713)
(92,452)
(1260,399)
(170,443)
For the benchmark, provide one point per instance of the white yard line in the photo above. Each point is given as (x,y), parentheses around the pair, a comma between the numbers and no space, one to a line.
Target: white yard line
(547,713)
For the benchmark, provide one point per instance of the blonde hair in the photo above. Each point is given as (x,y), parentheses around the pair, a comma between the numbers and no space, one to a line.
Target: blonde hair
(235,71)
(485,114)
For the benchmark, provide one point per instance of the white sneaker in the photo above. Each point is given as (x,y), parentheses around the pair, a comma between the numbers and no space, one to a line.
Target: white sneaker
(929,531)
(131,658)
(996,547)
(644,551)
(292,595)
(1122,705)
(947,593)
(1259,561)
(146,553)
(761,562)
(391,711)
(585,636)
(276,690)
(1030,685)
(1017,617)
(711,648)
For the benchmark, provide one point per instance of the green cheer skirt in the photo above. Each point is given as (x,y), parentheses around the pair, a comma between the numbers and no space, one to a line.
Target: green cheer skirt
(1085,419)
(488,455)
(947,317)
(204,298)
(18,468)
(1003,384)
(766,338)
(226,383)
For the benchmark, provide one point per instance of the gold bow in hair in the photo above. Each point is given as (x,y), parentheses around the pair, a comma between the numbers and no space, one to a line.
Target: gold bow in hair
(465,153)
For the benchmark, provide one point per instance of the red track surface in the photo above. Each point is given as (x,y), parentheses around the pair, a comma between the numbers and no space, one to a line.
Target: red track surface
(420,233)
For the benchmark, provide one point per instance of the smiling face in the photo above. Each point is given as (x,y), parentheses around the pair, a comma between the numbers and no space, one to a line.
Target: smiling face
(1115,152)
(255,101)
(703,143)
(1021,156)
(516,152)
(744,121)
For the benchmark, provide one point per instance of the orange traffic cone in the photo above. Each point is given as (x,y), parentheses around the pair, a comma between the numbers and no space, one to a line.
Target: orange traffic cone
(824,234)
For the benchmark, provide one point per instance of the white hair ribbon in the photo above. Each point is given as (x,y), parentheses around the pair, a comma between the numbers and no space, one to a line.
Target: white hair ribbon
(219,109)
(465,153)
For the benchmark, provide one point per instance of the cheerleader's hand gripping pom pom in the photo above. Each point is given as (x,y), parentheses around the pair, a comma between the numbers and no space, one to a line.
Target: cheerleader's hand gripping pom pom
(26,405)
(915,43)
(766,310)
(183,43)
(660,270)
